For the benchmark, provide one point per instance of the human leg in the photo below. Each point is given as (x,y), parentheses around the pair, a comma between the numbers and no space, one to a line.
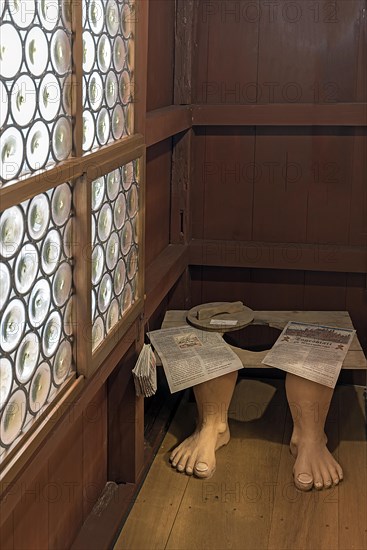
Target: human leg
(197,453)
(309,403)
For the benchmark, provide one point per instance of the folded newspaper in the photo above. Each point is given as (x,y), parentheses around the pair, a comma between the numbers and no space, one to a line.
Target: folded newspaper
(145,372)
(191,356)
(315,352)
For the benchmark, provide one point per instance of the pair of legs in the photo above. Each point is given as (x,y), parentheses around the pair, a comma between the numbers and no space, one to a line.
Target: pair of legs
(309,404)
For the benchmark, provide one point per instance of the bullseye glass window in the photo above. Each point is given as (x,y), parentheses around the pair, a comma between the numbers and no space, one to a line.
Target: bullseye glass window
(35,86)
(36,288)
(115,202)
(108,58)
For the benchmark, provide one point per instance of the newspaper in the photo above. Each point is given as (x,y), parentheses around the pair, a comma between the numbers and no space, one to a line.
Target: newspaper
(314,352)
(191,356)
(145,373)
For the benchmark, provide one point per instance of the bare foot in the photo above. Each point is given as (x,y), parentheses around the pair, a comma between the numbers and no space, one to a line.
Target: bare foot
(196,455)
(315,466)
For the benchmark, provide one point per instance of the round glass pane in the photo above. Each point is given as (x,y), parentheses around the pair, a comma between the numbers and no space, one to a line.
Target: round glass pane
(98,332)
(36,51)
(60,52)
(62,139)
(104,293)
(61,204)
(4,103)
(96,16)
(68,317)
(104,222)
(104,53)
(23,100)
(11,231)
(40,388)
(48,11)
(51,334)
(68,238)
(132,201)
(111,89)
(119,211)
(119,53)
(125,87)
(126,238)
(126,297)
(11,51)
(4,284)
(26,268)
(12,325)
(27,357)
(113,184)
(49,97)
(11,153)
(6,380)
(97,264)
(38,217)
(132,264)
(119,277)
(112,17)
(127,19)
(127,175)
(95,91)
(38,145)
(62,363)
(118,121)
(51,252)
(61,286)
(98,190)
(112,315)
(13,417)
(89,52)
(103,126)
(88,130)
(39,303)
(112,252)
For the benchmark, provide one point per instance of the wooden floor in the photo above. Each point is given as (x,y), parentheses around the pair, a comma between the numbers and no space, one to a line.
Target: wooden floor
(250,502)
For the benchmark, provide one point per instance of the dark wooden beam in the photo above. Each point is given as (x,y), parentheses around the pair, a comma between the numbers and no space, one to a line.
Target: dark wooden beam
(166,122)
(307,114)
(309,257)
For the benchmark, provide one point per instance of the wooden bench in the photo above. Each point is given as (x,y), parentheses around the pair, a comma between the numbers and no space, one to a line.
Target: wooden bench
(354,360)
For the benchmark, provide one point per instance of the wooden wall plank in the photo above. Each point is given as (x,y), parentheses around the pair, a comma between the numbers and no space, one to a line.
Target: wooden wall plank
(7,533)
(158,176)
(226,65)
(31,517)
(227,173)
(94,450)
(65,487)
(125,425)
(358,201)
(319,67)
(356,304)
(325,291)
(160,53)
(197,188)
(180,188)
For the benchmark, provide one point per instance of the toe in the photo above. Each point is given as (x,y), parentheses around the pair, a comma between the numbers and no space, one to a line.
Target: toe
(303,481)
(182,462)
(190,465)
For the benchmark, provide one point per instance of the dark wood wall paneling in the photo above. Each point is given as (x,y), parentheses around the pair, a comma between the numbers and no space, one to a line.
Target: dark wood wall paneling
(160,53)
(281,185)
(158,182)
(54,504)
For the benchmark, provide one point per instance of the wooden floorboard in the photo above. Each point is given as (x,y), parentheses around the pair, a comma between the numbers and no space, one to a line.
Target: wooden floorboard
(250,502)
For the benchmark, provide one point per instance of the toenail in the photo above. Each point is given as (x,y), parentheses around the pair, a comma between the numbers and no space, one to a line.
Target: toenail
(180,468)
(336,481)
(318,485)
(328,483)
(189,471)
(304,478)
(201,467)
